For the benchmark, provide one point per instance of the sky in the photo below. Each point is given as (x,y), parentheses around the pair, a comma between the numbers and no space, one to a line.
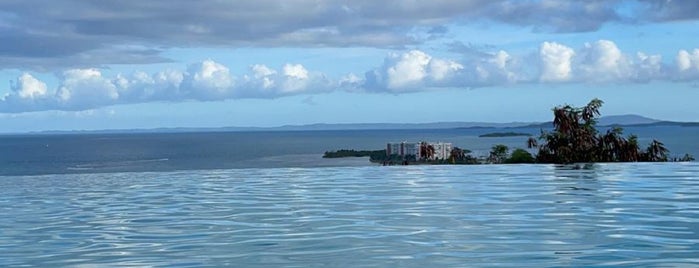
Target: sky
(87,65)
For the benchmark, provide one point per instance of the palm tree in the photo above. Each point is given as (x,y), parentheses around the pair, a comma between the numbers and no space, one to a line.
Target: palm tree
(687,158)
(457,154)
(609,145)
(498,154)
(426,151)
(531,143)
(591,110)
(631,151)
(656,152)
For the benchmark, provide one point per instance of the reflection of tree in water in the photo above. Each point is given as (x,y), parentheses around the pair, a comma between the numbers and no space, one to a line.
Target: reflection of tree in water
(575,207)
(577,179)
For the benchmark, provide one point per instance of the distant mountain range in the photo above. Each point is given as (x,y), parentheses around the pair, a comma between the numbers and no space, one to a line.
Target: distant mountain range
(614,120)
(628,120)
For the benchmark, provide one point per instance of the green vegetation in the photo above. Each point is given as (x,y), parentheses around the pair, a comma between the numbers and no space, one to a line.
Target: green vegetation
(355,153)
(685,158)
(461,156)
(499,154)
(576,140)
(503,134)
(520,156)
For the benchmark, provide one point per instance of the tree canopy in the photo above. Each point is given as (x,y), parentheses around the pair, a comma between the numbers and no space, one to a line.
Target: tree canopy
(575,139)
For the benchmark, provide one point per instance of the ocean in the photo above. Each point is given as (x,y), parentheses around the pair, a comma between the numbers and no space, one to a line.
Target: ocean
(261,199)
(92,153)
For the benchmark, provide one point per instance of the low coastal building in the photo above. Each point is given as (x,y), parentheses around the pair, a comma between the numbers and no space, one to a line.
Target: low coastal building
(431,150)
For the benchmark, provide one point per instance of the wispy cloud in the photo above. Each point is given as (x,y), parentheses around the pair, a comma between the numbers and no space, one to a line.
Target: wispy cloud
(49,35)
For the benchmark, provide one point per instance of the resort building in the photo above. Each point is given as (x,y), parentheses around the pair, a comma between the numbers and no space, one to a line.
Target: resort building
(440,150)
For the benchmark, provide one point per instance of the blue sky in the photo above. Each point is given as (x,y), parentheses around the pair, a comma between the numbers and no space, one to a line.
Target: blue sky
(146,64)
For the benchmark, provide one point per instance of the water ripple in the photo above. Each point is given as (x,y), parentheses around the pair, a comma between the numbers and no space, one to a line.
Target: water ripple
(417,216)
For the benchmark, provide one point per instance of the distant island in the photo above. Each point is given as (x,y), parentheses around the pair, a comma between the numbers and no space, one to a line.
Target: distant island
(607,121)
(354,153)
(504,134)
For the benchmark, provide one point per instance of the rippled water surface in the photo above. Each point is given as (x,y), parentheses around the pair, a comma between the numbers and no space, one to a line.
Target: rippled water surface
(416,216)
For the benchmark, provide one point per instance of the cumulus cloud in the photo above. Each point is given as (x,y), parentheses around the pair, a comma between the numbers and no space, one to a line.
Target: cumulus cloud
(296,78)
(497,68)
(26,93)
(556,63)
(411,71)
(350,82)
(688,64)
(416,70)
(265,82)
(408,70)
(648,67)
(208,80)
(262,77)
(601,61)
(84,89)
(440,69)
(142,87)
(29,87)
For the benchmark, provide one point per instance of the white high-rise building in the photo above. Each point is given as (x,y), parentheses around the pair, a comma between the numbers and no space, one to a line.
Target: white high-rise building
(442,150)
(404,149)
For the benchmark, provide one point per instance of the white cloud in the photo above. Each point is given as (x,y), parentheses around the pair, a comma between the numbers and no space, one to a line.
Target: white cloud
(26,93)
(29,87)
(495,69)
(414,70)
(85,88)
(556,62)
(208,80)
(296,71)
(440,70)
(295,78)
(603,61)
(648,67)
(688,64)
(266,82)
(410,71)
(261,70)
(141,87)
(350,82)
(264,76)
